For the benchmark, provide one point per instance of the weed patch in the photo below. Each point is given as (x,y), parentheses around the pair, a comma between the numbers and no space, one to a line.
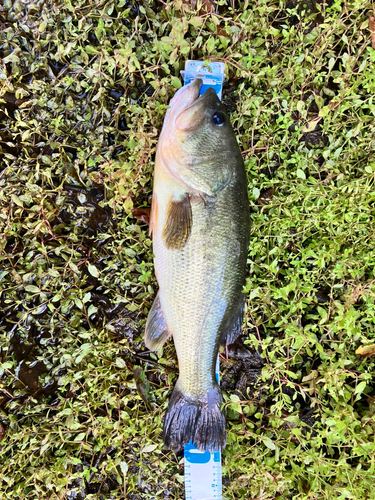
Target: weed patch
(84,89)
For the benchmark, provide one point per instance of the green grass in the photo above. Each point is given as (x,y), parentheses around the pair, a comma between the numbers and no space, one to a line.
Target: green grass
(84,89)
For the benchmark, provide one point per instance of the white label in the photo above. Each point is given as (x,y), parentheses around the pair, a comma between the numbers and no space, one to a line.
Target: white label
(202,474)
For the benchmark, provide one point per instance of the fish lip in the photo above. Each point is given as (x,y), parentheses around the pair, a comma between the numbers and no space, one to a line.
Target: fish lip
(199,98)
(184,90)
(202,97)
(198,83)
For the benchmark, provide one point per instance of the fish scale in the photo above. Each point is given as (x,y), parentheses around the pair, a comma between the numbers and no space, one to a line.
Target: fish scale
(193,300)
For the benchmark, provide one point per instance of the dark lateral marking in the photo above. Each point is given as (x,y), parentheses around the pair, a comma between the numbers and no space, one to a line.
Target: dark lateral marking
(177,228)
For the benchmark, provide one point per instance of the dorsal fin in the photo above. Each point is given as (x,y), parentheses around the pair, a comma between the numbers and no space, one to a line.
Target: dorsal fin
(179,220)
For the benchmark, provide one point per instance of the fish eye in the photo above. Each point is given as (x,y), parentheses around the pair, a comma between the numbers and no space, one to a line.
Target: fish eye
(218,118)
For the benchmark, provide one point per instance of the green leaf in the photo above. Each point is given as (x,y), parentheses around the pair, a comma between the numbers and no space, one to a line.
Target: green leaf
(269,443)
(120,363)
(149,448)
(300,106)
(74,267)
(128,205)
(360,387)
(301,174)
(16,200)
(11,58)
(331,63)
(324,111)
(93,270)
(132,307)
(124,468)
(210,44)
(330,421)
(54,273)
(176,82)
(92,310)
(234,398)
(256,193)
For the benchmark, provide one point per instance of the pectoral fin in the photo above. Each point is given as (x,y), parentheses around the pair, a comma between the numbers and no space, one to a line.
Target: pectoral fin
(233,327)
(156,331)
(179,220)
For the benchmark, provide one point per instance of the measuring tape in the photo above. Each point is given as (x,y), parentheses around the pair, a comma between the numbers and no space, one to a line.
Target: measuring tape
(203,476)
(203,470)
(212,75)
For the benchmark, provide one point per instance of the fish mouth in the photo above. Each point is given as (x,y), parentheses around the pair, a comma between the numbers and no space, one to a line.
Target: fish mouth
(202,97)
(190,116)
(185,97)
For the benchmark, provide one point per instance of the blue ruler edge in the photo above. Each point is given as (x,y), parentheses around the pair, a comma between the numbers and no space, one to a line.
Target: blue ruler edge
(212,75)
(203,476)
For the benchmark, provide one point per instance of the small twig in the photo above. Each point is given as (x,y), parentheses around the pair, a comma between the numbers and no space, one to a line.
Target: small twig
(49,228)
(253,149)
(226,358)
(371,25)
(7,393)
(166,368)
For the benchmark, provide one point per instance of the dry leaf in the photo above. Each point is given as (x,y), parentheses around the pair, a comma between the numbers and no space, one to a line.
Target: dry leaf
(366,350)
(221,31)
(143,386)
(142,214)
(311,125)
(266,196)
(206,5)
(371,25)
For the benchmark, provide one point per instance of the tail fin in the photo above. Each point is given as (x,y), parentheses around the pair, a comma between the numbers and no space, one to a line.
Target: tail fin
(200,421)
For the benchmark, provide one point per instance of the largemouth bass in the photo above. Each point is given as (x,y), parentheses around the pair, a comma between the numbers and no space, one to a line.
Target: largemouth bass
(200,227)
